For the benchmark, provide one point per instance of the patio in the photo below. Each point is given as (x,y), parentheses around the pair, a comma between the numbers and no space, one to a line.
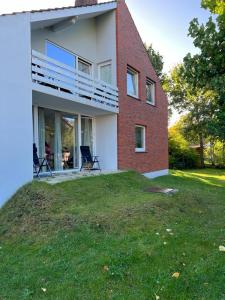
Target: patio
(67,176)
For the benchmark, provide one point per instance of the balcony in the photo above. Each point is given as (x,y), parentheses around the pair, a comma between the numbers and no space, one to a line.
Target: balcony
(54,77)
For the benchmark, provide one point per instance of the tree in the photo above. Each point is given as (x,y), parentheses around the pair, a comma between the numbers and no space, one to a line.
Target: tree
(207,68)
(199,104)
(215,6)
(156,60)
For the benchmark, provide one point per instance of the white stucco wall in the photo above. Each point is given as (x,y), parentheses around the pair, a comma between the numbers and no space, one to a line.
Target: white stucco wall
(80,39)
(106,40)
(93,39)
(106,141)
(15,105)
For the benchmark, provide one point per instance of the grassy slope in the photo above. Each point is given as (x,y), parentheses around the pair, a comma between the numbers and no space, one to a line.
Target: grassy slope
(96,238)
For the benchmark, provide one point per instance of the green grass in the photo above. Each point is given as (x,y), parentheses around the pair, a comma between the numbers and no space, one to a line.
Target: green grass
(105,238)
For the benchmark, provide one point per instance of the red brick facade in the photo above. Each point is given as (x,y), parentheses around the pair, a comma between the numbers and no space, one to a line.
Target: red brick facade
(131,51)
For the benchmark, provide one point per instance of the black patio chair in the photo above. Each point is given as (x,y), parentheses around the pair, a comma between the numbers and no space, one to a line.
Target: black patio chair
(39,162)
(89,161)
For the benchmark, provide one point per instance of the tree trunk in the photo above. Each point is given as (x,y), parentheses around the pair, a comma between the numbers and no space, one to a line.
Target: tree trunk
(223,154)
(212,153)
(201,142)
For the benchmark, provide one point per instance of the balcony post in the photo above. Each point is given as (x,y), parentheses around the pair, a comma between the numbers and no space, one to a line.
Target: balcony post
(79,140)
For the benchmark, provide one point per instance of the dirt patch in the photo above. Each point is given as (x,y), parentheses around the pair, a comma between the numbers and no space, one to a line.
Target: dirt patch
(166,191)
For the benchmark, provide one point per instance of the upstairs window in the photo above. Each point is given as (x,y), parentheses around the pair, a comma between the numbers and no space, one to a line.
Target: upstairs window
(150,91)
(84,66)
(60,54)
(132,82)
(105,72)
(139,138)
(67,58)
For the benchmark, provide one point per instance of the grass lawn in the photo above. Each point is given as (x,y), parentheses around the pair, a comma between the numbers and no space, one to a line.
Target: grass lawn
(106,238)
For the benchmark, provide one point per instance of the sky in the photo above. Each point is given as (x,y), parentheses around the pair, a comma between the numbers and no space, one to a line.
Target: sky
(162,23)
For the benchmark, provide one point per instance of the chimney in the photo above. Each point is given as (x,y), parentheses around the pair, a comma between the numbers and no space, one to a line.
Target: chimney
(85,2)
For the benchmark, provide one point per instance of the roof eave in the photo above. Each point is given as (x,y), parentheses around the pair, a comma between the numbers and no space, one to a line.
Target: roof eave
(35,13)
(72,11)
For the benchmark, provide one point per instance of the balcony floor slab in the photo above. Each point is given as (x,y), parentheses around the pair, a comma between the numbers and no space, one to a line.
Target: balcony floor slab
(56,100)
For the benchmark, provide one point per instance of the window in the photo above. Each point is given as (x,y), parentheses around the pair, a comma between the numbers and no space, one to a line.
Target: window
(68,58)
(105,72)
(84,66)
(150,91)
(60,54)
(139,138)
(132,82)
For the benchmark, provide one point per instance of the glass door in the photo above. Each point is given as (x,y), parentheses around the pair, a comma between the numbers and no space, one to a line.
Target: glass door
(58,140)
(86,132)
(69,142)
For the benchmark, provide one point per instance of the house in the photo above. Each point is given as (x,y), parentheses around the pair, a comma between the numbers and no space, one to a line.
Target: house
(76,76)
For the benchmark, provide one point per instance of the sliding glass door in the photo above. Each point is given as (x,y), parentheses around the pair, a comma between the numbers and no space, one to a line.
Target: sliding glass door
(69,141)
(58,138)
(86,132)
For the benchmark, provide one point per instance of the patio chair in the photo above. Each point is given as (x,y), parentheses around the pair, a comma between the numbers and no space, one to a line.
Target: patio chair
(39,162)
(89,161)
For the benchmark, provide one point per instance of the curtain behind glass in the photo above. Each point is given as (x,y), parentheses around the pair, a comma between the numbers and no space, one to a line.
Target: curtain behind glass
(134,84)
(86,128)
(41,132)
(106,73)
(58,143)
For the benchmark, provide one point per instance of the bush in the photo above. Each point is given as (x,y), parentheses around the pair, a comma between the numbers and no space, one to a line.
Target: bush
(181,156)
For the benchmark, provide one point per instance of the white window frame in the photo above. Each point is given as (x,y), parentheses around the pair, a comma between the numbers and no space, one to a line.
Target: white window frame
(153,91)
(85,62)
(102,64)
(143,149)
(136,76)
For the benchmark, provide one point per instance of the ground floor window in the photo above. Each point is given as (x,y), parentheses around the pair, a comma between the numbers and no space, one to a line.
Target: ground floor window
(139,138)
(58,138)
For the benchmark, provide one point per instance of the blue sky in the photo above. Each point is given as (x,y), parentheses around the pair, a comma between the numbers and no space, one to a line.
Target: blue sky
(164,23)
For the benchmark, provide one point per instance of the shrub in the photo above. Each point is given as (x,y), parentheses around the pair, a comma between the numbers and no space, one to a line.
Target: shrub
(181,156)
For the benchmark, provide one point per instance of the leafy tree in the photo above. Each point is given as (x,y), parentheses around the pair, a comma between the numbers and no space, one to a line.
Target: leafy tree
(156,60)
(215,153)
(199,103)
(215,6)
(206,70)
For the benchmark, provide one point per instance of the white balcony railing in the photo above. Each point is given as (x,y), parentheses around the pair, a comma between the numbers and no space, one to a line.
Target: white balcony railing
(54,74)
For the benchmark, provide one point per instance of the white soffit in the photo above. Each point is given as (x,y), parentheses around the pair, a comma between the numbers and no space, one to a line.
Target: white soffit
(48,18)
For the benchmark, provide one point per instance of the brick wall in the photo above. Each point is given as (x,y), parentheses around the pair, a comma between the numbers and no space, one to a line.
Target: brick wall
(131,51)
